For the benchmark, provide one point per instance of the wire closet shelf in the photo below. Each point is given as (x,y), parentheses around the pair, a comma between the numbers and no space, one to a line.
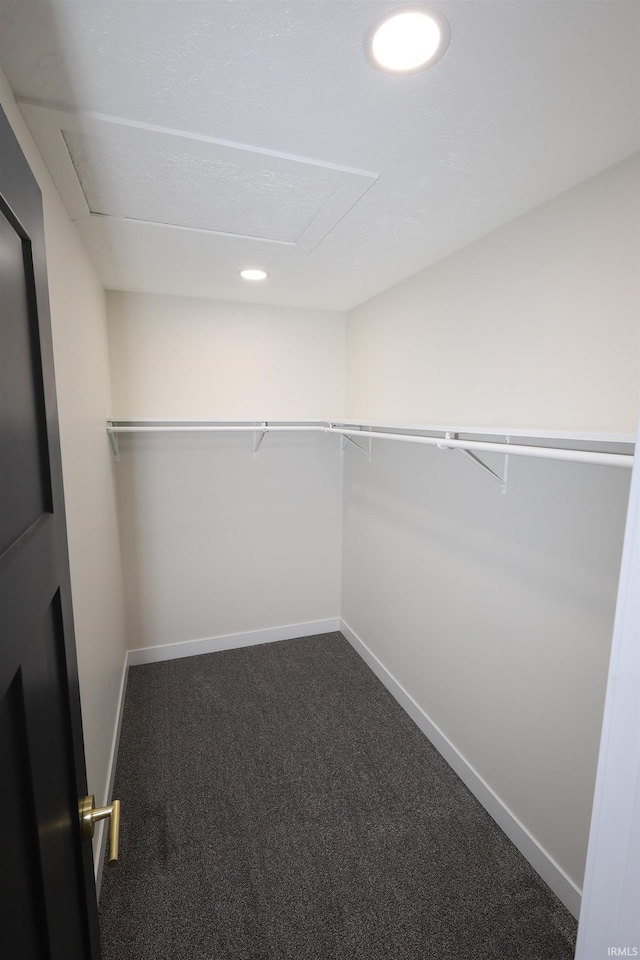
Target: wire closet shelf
(616,450)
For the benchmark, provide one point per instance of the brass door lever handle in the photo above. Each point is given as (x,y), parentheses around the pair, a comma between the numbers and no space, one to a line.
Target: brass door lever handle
(89,816)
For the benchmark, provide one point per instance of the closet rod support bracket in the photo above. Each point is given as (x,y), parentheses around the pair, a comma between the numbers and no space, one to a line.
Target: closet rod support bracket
(344,440)
(505,469)
(258,437)
(502,480)
(113,440)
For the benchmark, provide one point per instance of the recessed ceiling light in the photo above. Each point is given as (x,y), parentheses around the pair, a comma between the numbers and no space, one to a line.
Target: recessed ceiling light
(254,274)
(408,39)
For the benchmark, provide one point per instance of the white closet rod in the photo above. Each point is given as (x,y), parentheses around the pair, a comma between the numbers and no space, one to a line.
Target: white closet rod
(207,428)
(546,453)
(443,443)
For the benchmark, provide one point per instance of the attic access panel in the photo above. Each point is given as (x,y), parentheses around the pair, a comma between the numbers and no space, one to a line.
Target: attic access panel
(140,173)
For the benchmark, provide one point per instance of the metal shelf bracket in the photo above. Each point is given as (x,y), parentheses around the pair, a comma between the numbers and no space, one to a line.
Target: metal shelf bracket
(502,480)
(258,437)
(113,440)
(344,440)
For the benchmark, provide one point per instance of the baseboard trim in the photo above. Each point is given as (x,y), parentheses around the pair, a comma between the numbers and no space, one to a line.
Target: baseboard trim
(100,844)
(553,875)
(249,638)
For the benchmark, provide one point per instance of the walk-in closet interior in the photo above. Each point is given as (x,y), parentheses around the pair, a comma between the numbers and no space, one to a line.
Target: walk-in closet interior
(345,543)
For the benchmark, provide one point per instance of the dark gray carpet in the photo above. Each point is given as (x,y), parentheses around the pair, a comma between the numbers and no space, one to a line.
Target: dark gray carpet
(277,803)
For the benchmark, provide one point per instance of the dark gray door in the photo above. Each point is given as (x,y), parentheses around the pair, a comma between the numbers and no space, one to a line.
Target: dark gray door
(47,894)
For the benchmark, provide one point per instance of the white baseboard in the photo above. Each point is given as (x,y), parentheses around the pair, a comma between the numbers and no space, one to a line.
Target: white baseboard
(249,638)
(100,842)
(561,884)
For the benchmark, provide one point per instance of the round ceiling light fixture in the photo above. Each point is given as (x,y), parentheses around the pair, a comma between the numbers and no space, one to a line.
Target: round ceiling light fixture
(254,274)
(408,39)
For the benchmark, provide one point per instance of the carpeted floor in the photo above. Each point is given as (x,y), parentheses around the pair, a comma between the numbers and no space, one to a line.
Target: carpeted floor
(277,804)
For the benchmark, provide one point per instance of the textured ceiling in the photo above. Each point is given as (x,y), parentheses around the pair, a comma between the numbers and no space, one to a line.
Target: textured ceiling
(174,187)
(530,99)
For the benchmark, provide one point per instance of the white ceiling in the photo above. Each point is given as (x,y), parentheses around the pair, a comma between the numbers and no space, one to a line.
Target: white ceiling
(229,133)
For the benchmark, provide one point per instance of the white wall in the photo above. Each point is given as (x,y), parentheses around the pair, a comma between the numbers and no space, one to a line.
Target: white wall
(609,916)
(190,358)
(495,612)
(215,541)
(535,325)
(78,318)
